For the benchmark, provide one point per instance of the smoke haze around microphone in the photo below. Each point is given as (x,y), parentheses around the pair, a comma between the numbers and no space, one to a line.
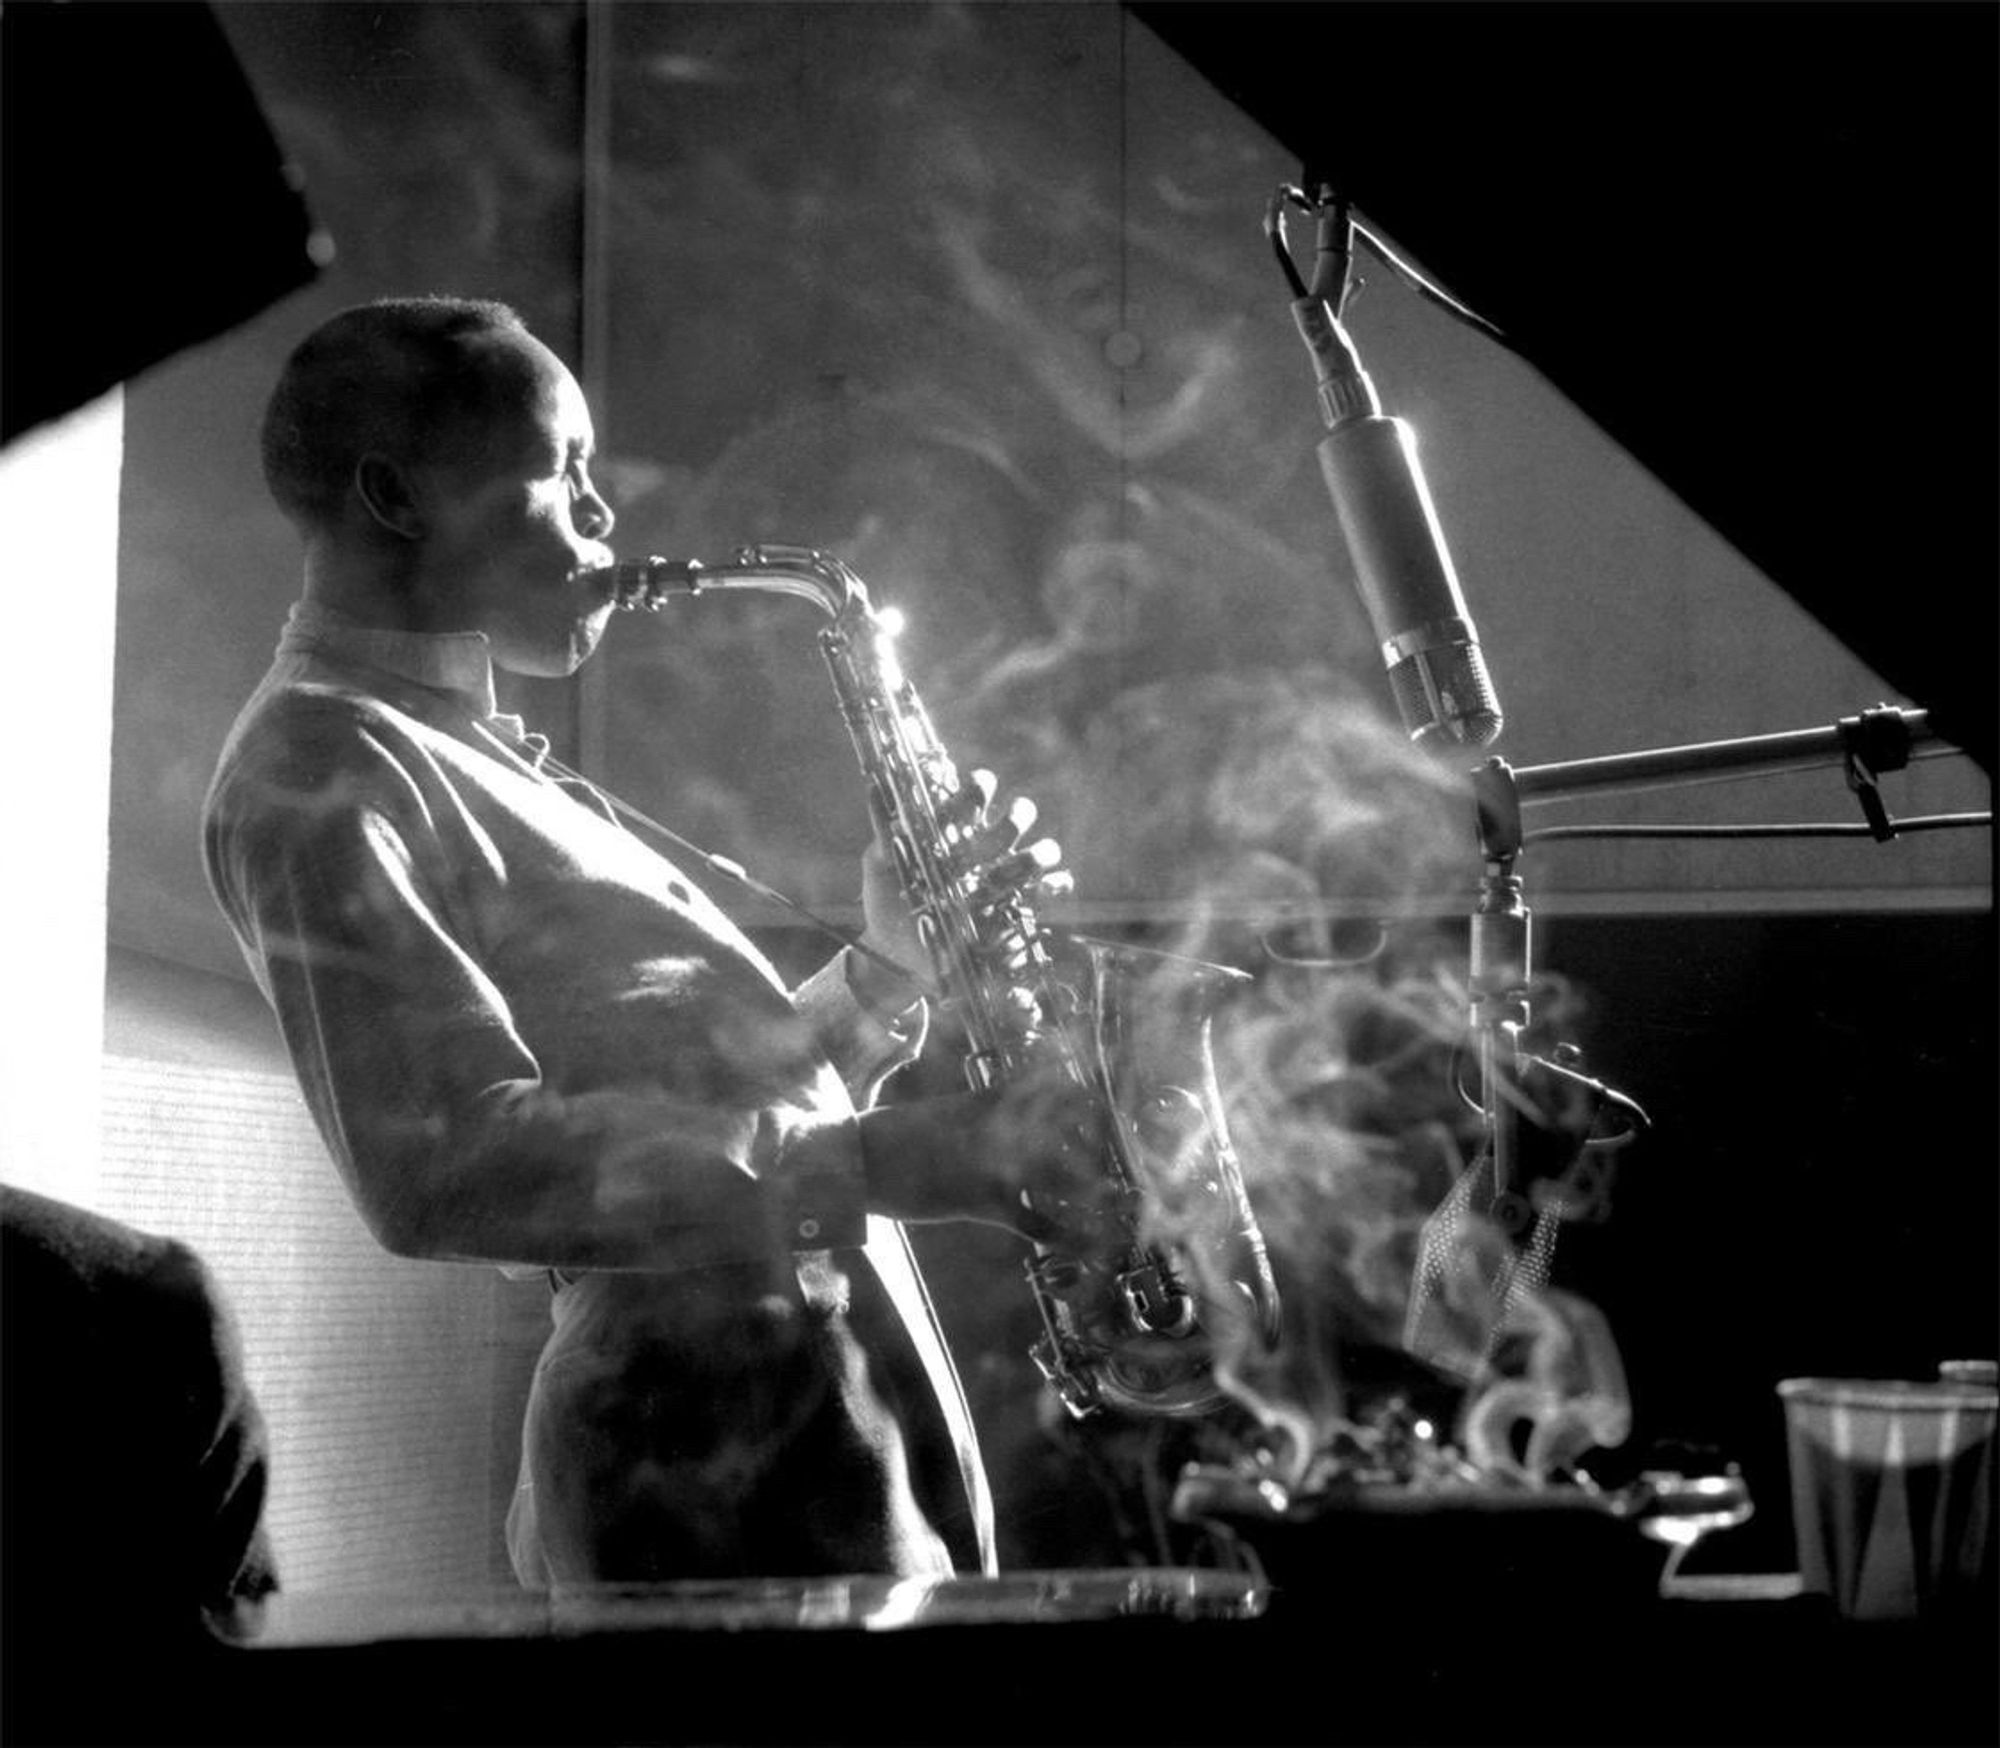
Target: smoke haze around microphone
(1404,573)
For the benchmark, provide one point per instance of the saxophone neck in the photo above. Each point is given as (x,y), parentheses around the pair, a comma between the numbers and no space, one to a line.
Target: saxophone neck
(802,571)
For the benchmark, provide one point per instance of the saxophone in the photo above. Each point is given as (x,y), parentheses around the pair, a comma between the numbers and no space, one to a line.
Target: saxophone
(1135,1321)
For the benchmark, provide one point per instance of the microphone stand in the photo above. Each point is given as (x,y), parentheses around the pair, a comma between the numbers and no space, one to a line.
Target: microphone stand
(1498,968)
(1412,597)
(1500,958)
(1882,739)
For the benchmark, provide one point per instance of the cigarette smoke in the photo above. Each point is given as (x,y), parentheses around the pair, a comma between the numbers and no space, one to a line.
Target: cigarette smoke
(1289,832)
(1039,421)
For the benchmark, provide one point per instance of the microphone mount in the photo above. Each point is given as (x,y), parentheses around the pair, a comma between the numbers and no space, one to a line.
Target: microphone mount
(1883,739)
(1500,961)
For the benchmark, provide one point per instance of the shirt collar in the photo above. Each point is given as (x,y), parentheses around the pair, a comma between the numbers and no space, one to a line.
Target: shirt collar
(458,662)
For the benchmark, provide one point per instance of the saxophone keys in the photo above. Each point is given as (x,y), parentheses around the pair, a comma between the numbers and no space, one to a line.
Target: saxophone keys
(1155,1304)
(1024,1002)
(1005,877)
(1018,1011)
(959,810)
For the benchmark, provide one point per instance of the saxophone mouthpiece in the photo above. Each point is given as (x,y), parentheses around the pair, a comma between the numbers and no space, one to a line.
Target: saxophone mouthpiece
(643,583)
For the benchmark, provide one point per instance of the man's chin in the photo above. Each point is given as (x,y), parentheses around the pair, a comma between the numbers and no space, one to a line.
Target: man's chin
(586,635)
(554,661)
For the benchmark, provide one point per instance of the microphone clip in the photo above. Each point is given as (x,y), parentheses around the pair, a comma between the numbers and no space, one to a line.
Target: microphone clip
(1345,391)
(1875,741)
(1333,259)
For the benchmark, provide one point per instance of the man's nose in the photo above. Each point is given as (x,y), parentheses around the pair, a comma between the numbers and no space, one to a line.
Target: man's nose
(593,516)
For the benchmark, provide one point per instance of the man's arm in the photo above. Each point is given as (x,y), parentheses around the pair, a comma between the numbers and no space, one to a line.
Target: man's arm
(866,1038)
(453,1140)
(434,1106)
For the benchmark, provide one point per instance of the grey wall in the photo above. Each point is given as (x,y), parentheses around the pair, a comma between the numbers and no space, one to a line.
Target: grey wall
(977,297)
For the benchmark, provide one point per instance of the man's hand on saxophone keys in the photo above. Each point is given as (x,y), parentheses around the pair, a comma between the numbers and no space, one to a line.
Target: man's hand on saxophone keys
(996,857)
(995,860)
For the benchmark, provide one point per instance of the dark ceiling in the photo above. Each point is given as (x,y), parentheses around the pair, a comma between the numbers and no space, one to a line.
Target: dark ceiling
(148,218)
(1755,242)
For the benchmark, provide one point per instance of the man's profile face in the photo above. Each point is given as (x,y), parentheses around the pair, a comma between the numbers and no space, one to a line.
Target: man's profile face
(511,517)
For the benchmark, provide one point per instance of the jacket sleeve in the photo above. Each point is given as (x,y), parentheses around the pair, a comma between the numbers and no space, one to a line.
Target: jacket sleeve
(864,1045)
(434,1106)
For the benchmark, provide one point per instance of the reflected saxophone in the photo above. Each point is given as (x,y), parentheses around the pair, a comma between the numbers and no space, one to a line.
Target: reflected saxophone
(1137,1320)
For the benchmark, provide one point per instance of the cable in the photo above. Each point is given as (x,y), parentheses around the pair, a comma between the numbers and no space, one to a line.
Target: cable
(1344,224)
(1274,228)
(1424,288)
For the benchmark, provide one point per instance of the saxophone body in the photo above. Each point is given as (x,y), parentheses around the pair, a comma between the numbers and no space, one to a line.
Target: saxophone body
(1136,1320)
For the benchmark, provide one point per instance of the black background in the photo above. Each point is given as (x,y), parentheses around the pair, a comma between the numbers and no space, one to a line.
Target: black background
(1700,222)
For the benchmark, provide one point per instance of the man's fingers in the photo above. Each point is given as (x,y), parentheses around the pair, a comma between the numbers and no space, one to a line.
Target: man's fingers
(1031,865)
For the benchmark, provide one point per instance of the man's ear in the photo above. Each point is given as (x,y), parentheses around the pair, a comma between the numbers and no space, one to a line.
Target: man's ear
(384,486)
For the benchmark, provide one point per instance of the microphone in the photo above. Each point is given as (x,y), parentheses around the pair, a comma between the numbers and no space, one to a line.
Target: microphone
(1402,566)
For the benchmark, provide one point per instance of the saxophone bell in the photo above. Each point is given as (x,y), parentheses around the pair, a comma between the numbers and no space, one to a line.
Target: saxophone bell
(1140,1326)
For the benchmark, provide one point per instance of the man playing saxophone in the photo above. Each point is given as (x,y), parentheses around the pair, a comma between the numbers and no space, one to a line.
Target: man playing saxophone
(530,1039)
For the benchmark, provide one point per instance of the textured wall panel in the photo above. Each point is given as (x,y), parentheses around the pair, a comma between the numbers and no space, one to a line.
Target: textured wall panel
(369,1368)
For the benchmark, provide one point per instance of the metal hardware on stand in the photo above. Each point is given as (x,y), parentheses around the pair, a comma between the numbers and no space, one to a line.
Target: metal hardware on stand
(1883,739)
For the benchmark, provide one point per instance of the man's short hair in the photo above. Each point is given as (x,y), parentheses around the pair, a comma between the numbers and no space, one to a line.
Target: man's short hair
(385,375)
